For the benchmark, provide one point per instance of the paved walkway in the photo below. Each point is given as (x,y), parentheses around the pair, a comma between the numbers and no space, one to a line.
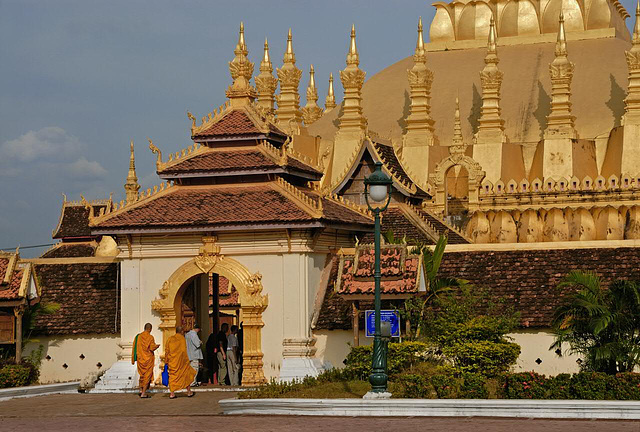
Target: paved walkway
(115,412)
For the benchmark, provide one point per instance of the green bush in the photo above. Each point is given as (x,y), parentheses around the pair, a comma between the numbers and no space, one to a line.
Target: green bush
(474,386)
(559,387)
(401,356)
(591,385)
(525,385)
(415,386)
(14,375)
(484,357)
(625,386)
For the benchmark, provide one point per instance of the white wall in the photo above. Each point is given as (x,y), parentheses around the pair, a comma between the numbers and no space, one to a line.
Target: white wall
(67,350)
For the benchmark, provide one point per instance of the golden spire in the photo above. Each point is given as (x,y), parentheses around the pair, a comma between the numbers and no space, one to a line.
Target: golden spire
(132,187)
(241,69)
(288,112)
(353,57)
(560,122)
(419,122)
(458,141)
(632,101)
(352,78)
(491,125)
(266,83)
(311,112)
(330,101)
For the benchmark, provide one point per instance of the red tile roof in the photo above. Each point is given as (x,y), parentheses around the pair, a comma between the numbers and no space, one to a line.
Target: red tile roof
(401,272)
(222,161)
(221,206)
(71,250)
(11,290)
(87,294)
(74,221)
(454,237)
(237,123)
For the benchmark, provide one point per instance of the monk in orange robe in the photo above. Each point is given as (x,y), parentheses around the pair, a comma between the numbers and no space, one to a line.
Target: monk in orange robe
(143,347)
(181,373)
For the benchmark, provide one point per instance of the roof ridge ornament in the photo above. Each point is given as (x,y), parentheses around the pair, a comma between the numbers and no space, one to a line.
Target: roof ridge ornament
(311,111)
(330,101)
(288,112)
(352,78)
(132,187)
(266,83)
(240,93)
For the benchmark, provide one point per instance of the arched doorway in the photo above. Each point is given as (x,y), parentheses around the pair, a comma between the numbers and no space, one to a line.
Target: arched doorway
(456,191)
(248,286)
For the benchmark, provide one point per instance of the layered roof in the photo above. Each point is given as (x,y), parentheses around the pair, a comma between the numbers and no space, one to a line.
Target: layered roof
(232,206)
(244,122)
(401,272)
(71,250)
(74,219)
(226,161)
(87,294)
(12,277)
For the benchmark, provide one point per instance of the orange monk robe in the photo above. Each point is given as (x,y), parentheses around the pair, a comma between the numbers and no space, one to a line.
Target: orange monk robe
(143,355)
(181,373)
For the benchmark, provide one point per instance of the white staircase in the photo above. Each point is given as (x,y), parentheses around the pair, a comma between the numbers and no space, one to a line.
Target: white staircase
(120,377)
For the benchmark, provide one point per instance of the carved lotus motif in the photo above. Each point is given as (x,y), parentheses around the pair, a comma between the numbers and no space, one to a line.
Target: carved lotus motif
(420,78)
(352,78)
(241,68)
(561,71)
(266,84)
(289,77)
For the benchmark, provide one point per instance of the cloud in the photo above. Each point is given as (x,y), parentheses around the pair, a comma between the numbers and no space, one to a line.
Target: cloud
(82,168)
(46,143)
(48,150)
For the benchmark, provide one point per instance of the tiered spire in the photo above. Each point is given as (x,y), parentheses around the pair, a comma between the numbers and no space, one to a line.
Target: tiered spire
(241,69)
(132,187)
(560,122)
(352,78)
(288,111)
(419,121)
(330,101)
(266,83)
(457,146)
(311,112)
(632,101)
(491,124)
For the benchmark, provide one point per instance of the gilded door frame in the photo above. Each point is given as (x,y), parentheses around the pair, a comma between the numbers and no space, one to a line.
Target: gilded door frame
(252,303)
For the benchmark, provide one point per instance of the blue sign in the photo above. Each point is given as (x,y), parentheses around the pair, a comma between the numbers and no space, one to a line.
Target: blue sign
(390,316)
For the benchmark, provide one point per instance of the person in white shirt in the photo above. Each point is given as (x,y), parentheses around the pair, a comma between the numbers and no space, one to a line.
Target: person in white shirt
(232,356)
(194,350)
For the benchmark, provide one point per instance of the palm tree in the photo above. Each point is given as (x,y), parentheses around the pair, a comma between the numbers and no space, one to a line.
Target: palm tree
(603,325)
(415,308)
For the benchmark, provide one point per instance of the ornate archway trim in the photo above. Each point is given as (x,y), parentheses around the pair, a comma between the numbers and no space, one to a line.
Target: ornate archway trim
(476,174)
(252,302)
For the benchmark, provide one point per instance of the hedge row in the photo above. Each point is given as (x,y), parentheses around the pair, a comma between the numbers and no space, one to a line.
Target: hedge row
(14,375)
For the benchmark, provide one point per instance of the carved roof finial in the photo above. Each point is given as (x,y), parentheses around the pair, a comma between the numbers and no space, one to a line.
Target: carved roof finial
(420,52)
(289,56)
(632,101)
(492,46)
(636,28)
(561,44)
(241,69)
(352,56)
(266,83)
(132,187)
(330,101)
(457,146)
(311,112)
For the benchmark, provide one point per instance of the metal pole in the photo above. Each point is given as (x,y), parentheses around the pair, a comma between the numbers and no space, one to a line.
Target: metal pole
(378,377)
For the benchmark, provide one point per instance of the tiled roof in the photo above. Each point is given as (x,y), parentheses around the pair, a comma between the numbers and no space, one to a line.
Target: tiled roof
(71,250)
(391,162)
(10,290)
(394,219)
(87,294)
(74,221)
(400,271)
(525,279)
(228,298)
(226,160)
(224,205)
(236,123)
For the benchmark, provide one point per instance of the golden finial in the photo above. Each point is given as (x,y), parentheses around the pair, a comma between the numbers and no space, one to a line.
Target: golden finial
(561,44)
(420,42)
(636,27)
(492,36)
(457,128)
(312,78)
(330,101)
(131,187)
(289,56)
(241,48)
(265,65)
(241,69)
(353,57)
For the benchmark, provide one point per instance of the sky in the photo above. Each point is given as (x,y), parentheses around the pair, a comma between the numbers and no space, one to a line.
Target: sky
(80,79)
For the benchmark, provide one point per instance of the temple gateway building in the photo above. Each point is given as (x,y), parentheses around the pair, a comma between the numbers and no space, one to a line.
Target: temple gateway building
(515,132)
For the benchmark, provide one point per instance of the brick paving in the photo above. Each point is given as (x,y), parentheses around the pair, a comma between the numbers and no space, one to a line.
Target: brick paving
(115,412)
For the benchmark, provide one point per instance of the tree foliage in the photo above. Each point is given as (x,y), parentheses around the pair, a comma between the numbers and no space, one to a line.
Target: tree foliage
(602,325)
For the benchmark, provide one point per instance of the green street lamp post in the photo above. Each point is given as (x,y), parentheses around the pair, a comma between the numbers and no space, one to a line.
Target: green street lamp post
(378,188)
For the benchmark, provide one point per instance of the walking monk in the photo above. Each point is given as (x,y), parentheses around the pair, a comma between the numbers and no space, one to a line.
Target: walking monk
(181,374)
(143,347)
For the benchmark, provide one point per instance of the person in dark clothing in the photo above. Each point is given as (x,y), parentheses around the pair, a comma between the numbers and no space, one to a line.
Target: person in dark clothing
(210,357)
(221,347)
